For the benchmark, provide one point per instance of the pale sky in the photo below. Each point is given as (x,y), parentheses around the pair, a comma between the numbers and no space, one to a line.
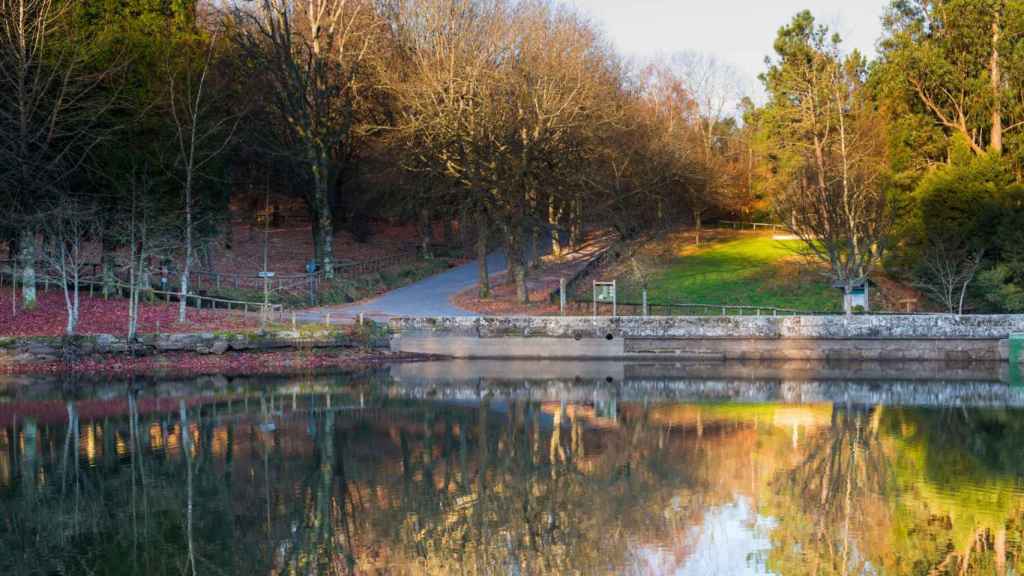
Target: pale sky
(739,32)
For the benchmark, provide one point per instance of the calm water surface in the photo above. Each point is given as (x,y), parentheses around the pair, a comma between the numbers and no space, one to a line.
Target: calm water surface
(519,468)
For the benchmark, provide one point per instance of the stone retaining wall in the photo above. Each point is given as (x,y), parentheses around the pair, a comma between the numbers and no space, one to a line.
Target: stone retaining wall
(917,337)
(44,349)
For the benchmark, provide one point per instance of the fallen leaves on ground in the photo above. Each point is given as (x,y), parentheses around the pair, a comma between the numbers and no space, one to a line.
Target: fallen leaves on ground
(541,284)
(99,316)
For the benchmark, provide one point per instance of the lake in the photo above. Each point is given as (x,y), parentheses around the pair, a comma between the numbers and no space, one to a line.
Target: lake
(473,467)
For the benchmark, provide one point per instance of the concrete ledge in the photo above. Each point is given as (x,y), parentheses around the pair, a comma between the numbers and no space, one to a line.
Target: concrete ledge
(932,337)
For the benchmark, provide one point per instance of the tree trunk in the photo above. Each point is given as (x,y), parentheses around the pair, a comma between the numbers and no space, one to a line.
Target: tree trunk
(575,223)
(317,241)
(183,293)
(535,247)
(29,250)
(697,226)
(554,215)
(71,296)
(449,230)
(108,269)
(186,270)
(326,220)
(426,234)
(145,279)
(481,256)
(511,262)
(517,266)
(206,255)
(996,140)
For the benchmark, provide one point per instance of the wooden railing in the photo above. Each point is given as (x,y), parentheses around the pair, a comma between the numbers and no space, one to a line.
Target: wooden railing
(199,301)
(354,268)
(586,308)
(277,283)
(736,225)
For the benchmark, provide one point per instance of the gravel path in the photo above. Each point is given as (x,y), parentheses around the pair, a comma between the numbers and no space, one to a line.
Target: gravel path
(428,297)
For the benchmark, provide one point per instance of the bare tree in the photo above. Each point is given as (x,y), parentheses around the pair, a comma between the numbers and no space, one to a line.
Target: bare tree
(947,269)
(202,131)
(492,96)
(67,227)
(313,57)
(714,89)
(147,235)
(49,105)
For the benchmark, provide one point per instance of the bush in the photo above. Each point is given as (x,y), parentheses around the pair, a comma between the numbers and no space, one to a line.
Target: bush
(1000,291)
(957,212)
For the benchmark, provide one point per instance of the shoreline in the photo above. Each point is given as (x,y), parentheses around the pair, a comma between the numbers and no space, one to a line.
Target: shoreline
(193,364)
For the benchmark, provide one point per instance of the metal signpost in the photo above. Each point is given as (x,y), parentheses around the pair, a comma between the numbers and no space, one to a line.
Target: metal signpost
(605,292)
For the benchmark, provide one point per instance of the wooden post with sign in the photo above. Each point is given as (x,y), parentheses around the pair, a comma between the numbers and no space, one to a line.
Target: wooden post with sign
(605,292)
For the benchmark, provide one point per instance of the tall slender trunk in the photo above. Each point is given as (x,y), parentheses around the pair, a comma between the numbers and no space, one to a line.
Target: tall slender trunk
(29,245)
(512,259)
(426,233)
(575,223)
(449,230)
(535,249)
(697,224)
(133,298)
(186,270)
(481,256)
(108,268)
(146,279)
(996,140)
(554,215)
(69,284)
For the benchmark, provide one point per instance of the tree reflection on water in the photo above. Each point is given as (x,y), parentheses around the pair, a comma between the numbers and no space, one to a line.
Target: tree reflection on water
(344,479)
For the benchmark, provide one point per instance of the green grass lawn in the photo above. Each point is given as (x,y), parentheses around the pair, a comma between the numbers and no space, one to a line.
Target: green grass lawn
(740,271)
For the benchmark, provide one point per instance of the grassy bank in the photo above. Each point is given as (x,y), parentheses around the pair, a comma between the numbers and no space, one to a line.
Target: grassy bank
(742,269)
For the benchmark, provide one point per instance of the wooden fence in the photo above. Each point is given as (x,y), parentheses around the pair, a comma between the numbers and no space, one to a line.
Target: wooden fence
(95,284)
(735,225)
(298,283)
(586,308)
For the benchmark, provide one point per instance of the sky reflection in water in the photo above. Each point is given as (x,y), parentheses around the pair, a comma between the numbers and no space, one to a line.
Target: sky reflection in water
(512,468)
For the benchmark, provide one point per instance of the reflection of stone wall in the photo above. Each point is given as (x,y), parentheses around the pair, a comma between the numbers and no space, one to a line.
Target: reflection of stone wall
(924,337)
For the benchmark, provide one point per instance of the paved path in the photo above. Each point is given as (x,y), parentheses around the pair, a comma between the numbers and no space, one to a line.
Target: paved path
(428,297)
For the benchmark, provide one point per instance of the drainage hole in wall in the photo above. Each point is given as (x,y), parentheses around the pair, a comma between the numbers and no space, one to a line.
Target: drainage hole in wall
(609,337)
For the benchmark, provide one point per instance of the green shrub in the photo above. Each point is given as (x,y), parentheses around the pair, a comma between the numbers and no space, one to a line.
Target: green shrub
(1000,291)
